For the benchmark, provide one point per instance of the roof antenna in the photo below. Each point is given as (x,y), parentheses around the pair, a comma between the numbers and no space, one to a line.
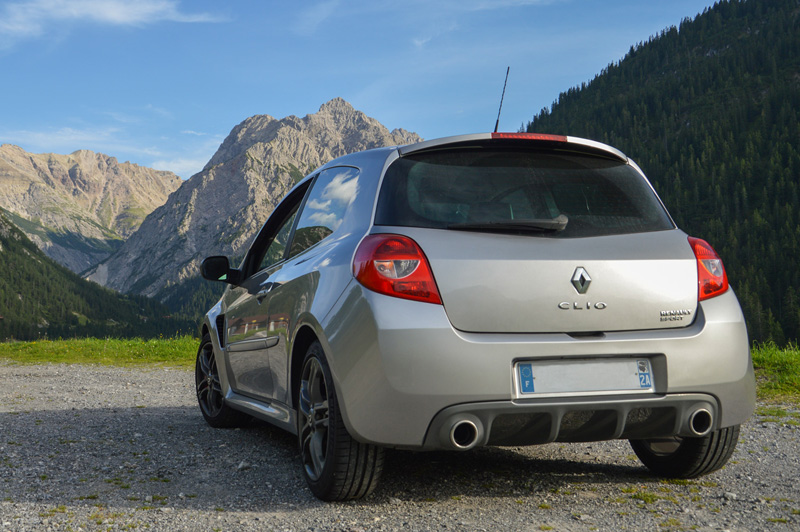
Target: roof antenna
(497,124)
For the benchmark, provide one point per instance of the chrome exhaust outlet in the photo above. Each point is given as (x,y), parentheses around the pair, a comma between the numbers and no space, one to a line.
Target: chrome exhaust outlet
(464,435)
(700,422)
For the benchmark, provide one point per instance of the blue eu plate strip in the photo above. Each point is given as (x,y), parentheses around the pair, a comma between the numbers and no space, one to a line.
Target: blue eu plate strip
(525,378)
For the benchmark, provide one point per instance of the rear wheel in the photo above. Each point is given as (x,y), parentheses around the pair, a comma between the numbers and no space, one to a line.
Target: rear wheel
(678,457)
(209,390)
(336,466)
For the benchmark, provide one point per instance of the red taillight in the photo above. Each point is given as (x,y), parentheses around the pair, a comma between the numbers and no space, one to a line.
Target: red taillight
(395,265)
(711,277)
(530,136)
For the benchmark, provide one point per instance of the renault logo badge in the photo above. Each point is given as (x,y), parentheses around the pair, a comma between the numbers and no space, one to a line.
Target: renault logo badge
(581,280)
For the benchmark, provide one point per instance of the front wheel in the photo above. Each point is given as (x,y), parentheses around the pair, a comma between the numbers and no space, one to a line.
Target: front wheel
(209,390)
(678,457)
(335,466)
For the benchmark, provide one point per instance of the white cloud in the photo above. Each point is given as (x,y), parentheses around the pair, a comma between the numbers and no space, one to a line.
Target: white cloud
(310,18)
(420,42)
(123,118)
(486,5)
(184,167)
(188,156)
(342,188)
(319,205)
(330,220)
(20,20)
(436,32)
(59,140)
(442,18)
(185,159)
(160,111)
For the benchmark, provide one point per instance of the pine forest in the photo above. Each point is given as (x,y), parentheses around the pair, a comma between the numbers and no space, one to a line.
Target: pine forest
(710,111)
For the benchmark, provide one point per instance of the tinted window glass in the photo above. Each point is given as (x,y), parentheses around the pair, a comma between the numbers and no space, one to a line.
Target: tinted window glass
(277,248)
(332,193)
(476,186)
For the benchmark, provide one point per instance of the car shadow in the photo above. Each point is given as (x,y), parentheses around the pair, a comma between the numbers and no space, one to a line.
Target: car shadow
(505,472)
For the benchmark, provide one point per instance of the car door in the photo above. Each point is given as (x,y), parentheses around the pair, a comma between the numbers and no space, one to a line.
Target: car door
(248,321)
(295,285)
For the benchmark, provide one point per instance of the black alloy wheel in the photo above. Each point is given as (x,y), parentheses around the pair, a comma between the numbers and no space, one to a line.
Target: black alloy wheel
(209,390)
(314,423)
(335,466)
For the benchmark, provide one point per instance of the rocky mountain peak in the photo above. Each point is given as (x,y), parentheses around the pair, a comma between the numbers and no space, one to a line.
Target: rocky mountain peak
(220,209)
(253,130)
(338,129)
(339,110)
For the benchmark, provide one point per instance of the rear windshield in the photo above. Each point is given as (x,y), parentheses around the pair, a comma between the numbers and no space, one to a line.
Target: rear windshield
(551,194)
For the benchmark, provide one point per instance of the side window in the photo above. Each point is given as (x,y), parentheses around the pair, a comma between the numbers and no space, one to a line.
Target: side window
(333,192)
(277,248)
(269,246)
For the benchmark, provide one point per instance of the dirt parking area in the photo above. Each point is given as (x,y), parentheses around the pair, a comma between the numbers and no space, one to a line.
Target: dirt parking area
(94,448)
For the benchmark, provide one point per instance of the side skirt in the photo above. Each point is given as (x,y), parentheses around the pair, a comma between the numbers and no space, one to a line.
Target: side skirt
(277,414)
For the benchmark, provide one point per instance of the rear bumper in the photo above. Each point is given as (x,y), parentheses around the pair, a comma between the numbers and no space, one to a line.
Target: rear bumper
(531,422)
(402,372)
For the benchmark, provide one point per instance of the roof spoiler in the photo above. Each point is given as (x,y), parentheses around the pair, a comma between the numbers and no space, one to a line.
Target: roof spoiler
(534,138)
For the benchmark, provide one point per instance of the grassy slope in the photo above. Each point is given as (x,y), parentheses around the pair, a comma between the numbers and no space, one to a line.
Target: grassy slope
(777,371)
(173,352)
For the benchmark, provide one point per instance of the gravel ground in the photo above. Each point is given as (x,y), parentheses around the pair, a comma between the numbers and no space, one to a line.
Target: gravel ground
(95,448)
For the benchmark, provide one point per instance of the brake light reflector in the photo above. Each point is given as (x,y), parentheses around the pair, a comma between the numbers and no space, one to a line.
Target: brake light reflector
(711,277)
(530,136)
(394,265)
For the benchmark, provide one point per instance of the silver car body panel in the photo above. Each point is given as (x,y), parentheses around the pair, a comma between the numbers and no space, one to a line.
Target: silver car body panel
(521,284)
(404,371)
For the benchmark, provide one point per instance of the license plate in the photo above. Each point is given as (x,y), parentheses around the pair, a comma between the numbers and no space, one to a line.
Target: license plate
(584,377)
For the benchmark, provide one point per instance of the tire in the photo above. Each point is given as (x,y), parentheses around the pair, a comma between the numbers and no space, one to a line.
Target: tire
(209,390)
(679,457)
(335,466)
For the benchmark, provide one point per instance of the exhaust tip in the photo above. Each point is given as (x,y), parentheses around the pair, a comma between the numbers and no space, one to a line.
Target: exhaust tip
(700,422)
(464,434)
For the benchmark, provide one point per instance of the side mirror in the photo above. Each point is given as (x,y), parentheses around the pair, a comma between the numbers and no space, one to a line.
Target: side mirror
(217,268)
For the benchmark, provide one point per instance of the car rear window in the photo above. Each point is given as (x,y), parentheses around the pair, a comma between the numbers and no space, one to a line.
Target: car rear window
(568,194)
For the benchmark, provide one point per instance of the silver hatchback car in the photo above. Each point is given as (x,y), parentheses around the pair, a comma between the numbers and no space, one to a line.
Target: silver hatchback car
(489,289)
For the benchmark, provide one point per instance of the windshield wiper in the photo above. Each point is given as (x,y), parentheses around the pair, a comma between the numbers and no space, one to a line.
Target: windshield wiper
(535,225)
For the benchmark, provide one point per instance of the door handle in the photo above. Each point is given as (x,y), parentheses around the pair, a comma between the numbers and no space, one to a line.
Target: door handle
(265,289)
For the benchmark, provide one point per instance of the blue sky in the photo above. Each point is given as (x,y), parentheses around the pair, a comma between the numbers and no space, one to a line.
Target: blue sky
(161,82)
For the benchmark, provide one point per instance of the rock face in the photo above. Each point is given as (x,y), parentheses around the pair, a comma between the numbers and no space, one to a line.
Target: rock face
(219,210)
(78,208)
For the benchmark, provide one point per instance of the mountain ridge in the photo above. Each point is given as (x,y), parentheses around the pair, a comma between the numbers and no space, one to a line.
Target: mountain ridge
(79,207)
(218,210)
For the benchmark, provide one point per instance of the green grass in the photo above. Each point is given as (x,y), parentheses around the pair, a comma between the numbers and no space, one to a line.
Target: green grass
(177,352)
(777,414)
(777,371)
